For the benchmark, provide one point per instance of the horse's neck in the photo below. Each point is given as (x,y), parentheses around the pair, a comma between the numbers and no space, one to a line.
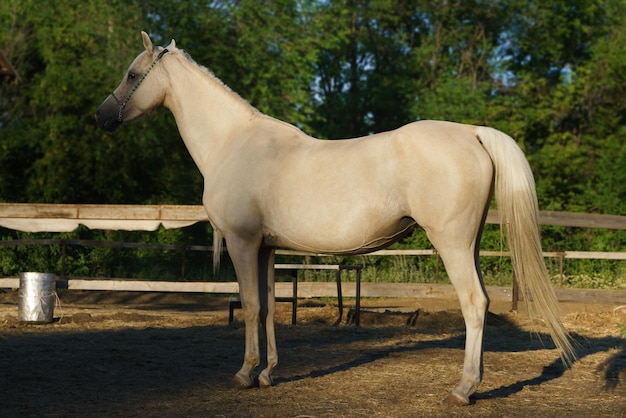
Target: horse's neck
(207,113)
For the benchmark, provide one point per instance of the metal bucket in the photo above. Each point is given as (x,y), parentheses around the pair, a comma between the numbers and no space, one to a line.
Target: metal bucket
(36,297)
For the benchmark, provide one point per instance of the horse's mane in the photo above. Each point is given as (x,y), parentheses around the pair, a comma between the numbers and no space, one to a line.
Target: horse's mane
(219,82)
(211,76)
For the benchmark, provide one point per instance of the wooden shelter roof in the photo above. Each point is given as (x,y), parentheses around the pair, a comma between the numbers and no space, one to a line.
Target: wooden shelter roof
(7,71)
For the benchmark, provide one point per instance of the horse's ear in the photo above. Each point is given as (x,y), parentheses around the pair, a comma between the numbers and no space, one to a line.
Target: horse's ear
(147,43)
(172,45)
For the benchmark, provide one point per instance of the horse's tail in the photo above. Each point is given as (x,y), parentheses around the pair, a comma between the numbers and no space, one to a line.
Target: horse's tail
(218,242)
(519,211)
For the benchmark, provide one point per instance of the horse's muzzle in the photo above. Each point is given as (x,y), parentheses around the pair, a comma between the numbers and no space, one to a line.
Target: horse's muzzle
(107,117)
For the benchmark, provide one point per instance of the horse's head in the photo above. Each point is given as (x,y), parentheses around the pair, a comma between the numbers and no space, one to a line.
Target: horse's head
(129,101)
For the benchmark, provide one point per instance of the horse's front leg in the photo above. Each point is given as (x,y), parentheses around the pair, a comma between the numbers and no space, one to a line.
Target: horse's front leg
(268,310)
(244,256)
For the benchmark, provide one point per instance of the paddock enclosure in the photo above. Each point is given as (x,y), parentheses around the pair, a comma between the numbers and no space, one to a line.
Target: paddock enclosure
(256,194)
(167,354)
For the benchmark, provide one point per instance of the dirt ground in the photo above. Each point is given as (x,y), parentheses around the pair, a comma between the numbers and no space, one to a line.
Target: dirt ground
(153,355)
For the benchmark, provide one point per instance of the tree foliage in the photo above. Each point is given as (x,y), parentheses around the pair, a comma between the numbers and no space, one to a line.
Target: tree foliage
(550,74)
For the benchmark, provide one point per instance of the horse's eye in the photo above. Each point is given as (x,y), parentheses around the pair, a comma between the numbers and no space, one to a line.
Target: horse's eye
(132,76)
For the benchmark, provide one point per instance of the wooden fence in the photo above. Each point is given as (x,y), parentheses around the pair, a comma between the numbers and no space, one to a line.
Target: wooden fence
(67,217)
(132,216)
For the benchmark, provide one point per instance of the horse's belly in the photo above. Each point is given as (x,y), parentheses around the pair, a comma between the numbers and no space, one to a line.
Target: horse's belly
(355,238)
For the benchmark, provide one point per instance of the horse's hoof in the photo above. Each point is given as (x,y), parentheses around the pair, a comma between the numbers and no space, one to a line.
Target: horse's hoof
(456,400)
(241,382)
(265,381)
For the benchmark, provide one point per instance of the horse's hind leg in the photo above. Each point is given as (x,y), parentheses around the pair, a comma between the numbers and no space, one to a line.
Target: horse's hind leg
(268,309)
(461,263)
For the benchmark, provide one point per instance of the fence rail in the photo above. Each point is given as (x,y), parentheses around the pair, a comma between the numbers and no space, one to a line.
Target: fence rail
(561,255)
(311,289)
(46,217)
(324,289)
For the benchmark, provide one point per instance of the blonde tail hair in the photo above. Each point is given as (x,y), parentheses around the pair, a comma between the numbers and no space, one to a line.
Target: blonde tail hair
(519,212)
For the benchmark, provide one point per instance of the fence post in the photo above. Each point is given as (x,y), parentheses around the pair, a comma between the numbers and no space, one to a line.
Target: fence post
(182,266)
(561,261)
(63,258)
(515,295)
(436,266)
(307,273)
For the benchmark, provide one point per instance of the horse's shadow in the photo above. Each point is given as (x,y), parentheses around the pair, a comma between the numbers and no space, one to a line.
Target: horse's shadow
(611,369)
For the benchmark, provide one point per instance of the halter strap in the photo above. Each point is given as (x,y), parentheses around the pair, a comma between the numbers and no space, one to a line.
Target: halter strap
(123,103)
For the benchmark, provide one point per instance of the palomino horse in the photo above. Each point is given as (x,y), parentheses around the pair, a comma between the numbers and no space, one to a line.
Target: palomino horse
(268,185)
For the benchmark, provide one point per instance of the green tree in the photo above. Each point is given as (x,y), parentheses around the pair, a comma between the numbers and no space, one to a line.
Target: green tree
(455,50)
(264,50)
(550,74)
(52,147)
(366,77)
